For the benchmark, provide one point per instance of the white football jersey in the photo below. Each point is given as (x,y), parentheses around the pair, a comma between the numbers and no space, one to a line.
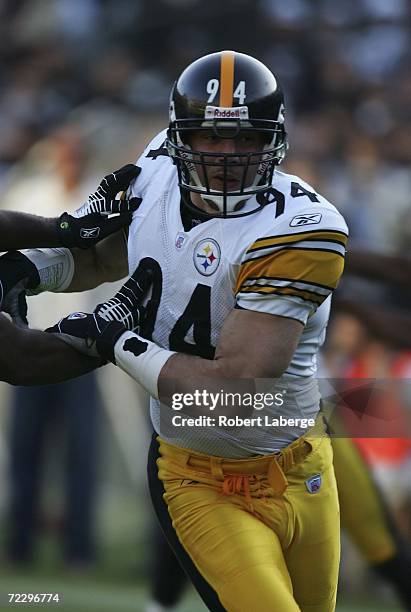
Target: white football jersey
(285,259)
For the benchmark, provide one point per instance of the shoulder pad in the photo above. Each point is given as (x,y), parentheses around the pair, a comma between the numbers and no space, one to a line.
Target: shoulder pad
(154,152)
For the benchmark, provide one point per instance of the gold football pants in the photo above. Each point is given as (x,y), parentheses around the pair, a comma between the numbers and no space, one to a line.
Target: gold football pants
(253,529)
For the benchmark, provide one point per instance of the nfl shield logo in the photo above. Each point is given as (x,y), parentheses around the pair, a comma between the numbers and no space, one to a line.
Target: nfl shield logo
(77,315)
(313,484)
(180,241)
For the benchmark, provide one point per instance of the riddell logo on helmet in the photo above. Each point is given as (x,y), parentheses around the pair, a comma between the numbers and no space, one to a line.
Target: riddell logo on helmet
(221,112)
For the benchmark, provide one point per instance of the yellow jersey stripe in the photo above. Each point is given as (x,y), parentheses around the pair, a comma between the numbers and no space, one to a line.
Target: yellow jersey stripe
(227,78)
(321,235)
(298,249)
(307,265)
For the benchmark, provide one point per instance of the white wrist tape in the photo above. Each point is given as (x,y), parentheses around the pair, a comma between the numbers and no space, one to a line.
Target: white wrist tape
(55,268)
(141,359)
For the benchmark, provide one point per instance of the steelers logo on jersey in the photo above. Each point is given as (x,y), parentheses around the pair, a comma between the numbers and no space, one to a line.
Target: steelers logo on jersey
(207,256)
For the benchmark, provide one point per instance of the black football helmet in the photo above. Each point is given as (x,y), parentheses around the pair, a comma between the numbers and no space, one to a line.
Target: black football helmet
(228,93)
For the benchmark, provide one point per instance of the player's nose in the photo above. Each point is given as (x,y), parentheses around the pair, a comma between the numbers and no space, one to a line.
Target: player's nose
(227,145)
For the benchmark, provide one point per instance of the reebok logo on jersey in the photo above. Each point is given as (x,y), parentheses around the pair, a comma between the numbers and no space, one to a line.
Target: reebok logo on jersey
(89,232)
(310,219)
(207,255)
(313,484)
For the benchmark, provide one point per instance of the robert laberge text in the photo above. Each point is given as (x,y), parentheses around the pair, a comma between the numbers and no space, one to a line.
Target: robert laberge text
(237,421)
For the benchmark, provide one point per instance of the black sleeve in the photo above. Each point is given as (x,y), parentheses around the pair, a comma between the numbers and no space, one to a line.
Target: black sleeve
(25,231)
(36,358)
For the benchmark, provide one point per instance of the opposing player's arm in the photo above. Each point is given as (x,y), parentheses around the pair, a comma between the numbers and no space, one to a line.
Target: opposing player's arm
(84,228)
(25,231)
(93,233)
(58,270)
(30,357)
(105,262)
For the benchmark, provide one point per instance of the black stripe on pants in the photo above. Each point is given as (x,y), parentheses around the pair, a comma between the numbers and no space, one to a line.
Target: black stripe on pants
(206,592)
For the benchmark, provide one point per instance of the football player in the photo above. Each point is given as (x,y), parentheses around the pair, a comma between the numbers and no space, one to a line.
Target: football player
(239,261)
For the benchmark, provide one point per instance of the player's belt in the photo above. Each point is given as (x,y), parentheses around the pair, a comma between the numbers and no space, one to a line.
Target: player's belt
(275,466)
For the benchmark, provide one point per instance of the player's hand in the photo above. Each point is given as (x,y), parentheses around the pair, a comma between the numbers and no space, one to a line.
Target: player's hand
(94,220)
(127,305)
(89,334)
(17,273)
(103,200)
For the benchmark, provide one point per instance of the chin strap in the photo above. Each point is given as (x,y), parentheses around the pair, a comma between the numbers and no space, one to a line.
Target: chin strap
(231,202)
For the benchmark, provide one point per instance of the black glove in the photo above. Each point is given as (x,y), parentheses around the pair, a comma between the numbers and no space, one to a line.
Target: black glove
(89,334)
(17,273)
(103,199)
(87,231)
(126,306)
(90,223)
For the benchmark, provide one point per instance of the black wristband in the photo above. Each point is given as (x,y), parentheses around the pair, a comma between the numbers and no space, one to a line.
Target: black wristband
(64,231)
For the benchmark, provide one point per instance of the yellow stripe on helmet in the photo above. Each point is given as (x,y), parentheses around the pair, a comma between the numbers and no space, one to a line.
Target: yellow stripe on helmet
(227,78)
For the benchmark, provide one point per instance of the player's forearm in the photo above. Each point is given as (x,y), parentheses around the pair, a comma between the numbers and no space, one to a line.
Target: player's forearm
(154,367)
(391,269)
(31,357)
(63,270)
(183,367)
(238,354)
(236,358)
(163,373)
(24,231)
(186,373)
(71,270)
(105,262)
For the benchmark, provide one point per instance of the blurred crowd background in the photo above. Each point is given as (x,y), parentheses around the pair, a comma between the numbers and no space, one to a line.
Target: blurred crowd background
(84,85)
